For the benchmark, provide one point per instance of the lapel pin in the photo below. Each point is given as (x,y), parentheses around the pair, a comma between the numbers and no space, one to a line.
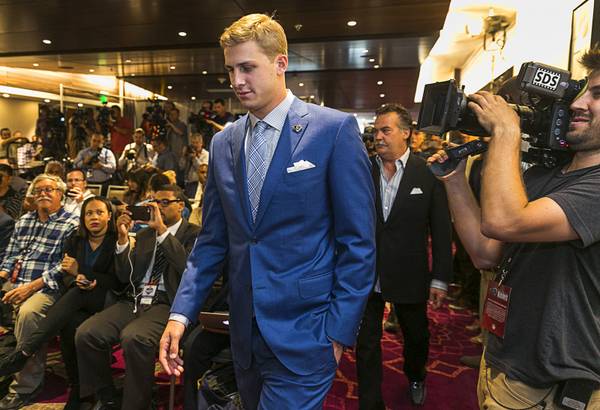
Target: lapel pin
(297,128)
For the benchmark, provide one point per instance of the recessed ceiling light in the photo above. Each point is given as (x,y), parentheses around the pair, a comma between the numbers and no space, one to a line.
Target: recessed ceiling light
(133,74)
(91,70)
(383,105)
(379,82)
(128,61)
(36,64)
(193,98)
(351,23)
(376,66)
(301,84)
(79,105)
(204,72)
(382,95)
(170,87)
(374,118)
(182,34)
(172,67)
(5,95)
(103,92)
(312,97)
(371,60)
(47,100)
(355,114)
(366,50)
(46,41)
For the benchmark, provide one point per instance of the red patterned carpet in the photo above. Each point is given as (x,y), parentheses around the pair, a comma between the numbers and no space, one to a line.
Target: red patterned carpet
(450,385)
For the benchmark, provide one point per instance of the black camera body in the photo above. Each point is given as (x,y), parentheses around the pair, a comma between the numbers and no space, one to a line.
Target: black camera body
(545,118)
(131,154)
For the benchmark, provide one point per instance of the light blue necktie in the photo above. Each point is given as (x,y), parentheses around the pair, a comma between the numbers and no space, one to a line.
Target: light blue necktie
(257,165)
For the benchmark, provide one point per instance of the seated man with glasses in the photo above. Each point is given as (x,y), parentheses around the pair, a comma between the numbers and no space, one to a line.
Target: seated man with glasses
(30,272)
(136,322)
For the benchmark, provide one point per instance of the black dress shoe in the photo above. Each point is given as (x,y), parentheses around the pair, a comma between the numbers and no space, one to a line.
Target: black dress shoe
(13,401)
(13,363)
(418,392)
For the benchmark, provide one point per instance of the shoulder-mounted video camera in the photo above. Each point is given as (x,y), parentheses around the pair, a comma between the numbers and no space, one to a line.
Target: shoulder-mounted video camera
(547,92)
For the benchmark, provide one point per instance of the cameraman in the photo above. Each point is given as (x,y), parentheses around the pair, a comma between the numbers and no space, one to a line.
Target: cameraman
(98,162)
(543,231)
(194,155)
(137,153)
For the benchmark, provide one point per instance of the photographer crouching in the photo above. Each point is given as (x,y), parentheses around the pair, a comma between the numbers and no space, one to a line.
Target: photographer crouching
(542,232)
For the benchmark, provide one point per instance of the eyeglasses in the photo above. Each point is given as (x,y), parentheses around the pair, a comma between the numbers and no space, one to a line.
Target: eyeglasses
(165,202)
(75,180)
(46,190)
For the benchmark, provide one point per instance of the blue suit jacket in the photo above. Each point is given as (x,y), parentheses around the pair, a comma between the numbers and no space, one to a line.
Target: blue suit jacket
(306,267)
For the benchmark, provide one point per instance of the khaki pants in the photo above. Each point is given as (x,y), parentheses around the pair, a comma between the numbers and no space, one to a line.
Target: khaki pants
(28,315)
(516,395)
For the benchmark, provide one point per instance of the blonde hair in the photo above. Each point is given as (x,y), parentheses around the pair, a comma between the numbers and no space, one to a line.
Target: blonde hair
(267,33)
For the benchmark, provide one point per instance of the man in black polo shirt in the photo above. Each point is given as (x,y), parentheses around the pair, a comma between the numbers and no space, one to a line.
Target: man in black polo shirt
(543,230)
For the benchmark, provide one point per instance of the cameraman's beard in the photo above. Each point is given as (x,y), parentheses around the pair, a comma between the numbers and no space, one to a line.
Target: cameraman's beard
(586,140)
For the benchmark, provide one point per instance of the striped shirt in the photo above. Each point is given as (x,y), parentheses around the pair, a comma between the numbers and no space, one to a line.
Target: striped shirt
(39,247)
(275,120)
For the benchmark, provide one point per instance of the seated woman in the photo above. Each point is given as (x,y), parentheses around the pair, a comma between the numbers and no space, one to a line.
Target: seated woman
(89,267)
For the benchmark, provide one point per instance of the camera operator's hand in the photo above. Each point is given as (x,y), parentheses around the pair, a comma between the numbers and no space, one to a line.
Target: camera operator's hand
(156,222)
(494,114)
(97,165)
(76,193)
(124,225)
(459,171)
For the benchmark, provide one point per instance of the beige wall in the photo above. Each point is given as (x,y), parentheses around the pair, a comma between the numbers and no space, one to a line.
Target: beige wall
(18,115)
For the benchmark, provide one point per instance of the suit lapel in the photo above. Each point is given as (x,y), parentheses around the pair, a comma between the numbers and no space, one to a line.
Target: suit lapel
(376,173)
(406,184)
(288,141)
(238,156)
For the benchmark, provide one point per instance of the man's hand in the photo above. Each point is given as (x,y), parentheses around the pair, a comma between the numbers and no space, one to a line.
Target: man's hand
(338,350)
(494,114)
(168,352)
(69,265)
(436,297)
(77,194)
(441,157)
(156,222)
(4,275)
(19,295)
(124,224)
(97,165)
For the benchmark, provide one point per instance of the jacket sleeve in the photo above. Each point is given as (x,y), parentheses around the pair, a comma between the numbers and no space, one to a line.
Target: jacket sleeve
(352,197)
(205,262)
(441,234)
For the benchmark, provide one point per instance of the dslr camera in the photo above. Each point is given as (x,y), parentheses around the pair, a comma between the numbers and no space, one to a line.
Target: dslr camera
(545,117)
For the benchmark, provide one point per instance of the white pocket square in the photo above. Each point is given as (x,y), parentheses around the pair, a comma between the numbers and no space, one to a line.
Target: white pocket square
(416,191)
(301,165)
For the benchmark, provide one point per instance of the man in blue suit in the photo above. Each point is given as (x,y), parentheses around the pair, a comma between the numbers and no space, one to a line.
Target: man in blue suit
(289,204)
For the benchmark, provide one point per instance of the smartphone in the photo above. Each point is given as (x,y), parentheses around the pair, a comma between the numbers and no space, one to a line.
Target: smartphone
(85,282)
(139,213)
(72,193)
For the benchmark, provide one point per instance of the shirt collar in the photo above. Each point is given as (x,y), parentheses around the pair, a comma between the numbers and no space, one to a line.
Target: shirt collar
(276,118)
(400,162)
(53,215)
(175,227)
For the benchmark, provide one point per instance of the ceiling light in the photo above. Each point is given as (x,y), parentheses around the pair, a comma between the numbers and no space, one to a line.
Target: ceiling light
(91,70)
(170,87)
(193,98)
(351,23)
(47,100)
(133,74)
(36,64)
(182,34)
(365,50)
(374,118)
(382,95)
(355,114)
(5,95)
(46,41)
(371,60)
(376,66)
(204,72)
(128,61)
(379,82)
(79,105)
(301,84)
(103,92)
(312,97)
(172,67)
(383,105)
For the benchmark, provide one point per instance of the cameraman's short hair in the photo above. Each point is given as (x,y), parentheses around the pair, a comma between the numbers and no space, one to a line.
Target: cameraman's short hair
(7,169)
(591,59)
(60,184)
(197,136)
(177,192)
(263,29)
(140,130)
(403,114)
(220,101)
(81,171)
